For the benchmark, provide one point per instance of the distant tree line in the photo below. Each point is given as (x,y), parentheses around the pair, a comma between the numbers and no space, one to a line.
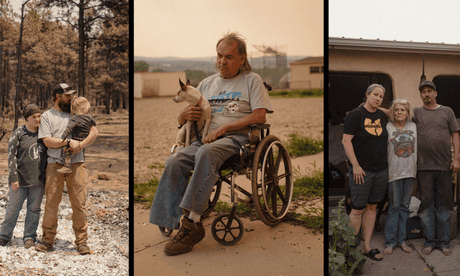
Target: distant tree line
(84,43)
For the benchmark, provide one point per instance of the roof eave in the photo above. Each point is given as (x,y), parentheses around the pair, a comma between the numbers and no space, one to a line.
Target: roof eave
(393,46)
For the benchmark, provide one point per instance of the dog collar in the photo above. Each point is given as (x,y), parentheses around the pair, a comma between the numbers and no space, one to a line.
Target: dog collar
(199,102)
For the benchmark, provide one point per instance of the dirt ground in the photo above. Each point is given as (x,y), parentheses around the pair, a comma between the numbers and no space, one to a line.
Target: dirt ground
(155,128)
(282,250)
(107,160)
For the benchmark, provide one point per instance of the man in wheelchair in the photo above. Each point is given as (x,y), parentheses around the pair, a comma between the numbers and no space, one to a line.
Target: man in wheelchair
(238,99)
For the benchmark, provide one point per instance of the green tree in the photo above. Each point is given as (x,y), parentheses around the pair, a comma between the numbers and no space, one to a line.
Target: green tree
(140,66)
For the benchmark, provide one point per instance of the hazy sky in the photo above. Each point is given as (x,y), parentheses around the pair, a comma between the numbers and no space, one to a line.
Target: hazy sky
(191,28)
(402,20)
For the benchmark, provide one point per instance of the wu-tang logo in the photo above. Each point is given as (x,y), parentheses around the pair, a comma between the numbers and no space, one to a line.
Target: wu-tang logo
(374,128)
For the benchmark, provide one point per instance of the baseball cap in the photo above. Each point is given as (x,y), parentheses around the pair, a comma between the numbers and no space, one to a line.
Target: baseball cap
(427,83)
(63,88)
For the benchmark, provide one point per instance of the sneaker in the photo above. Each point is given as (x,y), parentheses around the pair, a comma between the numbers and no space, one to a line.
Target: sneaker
(83,249)
(189,234)
(29,243)
(3,242)
(64,170)
(44,247)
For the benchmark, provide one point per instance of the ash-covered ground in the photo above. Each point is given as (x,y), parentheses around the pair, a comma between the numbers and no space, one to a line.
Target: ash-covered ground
(108,232)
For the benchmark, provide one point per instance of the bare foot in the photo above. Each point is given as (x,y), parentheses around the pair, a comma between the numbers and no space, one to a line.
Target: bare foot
(388,250)
(446,251)
(405,248)
(427,250)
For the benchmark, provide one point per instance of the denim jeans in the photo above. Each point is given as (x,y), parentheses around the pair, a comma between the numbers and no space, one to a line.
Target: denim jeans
(436,206)
(175,192)
(34,197)
(399,194)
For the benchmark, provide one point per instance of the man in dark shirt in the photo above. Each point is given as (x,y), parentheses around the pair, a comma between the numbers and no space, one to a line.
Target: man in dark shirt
(436,125)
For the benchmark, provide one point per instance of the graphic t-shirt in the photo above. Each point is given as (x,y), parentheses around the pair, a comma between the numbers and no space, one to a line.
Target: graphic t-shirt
(234,98)
(434,130)
(369,137)
(402,151)
(26,158)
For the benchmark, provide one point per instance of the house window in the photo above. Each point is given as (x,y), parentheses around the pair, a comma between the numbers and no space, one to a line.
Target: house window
(347,89)
(314,69)
(448,88)
(322,69)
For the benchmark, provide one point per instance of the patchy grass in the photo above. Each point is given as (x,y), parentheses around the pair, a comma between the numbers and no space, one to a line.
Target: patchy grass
(244,209)
(313,219)
(301,146)
(157,165)
(297,93)
(144,192)
(308,186)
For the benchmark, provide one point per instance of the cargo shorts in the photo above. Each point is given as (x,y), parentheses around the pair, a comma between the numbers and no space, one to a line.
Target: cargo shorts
(372,191)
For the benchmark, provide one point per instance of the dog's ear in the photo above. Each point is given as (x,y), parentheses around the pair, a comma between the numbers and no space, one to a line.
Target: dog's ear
(183,87)
(188,82)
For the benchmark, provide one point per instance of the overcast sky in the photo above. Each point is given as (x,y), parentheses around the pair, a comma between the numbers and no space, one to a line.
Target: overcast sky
(191,28)
(402,20)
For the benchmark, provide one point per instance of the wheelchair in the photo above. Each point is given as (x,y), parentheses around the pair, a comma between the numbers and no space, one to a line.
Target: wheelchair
(267,164)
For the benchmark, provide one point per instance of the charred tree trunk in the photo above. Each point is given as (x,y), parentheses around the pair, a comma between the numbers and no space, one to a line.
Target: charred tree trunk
(107,101)
(18,77)
(81,44)
(2,91)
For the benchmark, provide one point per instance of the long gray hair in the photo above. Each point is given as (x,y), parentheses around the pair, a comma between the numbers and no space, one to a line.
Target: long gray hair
(236,37)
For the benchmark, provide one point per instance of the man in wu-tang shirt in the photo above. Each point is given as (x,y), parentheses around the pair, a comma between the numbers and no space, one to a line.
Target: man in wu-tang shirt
(238,98)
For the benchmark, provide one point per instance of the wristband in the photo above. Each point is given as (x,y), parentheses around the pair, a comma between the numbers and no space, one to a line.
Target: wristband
(68,142)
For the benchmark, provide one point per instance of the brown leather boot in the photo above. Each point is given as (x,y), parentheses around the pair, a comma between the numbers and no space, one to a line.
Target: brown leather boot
(189,234)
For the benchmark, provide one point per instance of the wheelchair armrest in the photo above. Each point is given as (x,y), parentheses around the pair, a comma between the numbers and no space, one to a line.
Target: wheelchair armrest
(259,126)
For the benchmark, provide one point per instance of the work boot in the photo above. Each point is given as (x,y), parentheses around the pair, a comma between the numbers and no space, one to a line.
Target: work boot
(29,243)
(4,242)
(44,247)
(189,234)
(83,249)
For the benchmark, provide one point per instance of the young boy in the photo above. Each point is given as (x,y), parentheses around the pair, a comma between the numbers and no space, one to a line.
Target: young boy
(79,126)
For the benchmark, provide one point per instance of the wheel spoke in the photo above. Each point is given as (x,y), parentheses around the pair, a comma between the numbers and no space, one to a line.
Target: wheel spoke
(270,164)
(232,235)
(284,175)
(278,162)
(269,182)
(274,204)
(281,195)
(270,191)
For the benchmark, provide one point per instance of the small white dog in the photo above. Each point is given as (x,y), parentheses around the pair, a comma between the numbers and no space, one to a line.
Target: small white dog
(188,93)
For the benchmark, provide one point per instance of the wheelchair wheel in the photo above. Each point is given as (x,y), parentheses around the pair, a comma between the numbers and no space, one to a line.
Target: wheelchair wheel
(165,231)
(272,183)
(227,234)
(212,200)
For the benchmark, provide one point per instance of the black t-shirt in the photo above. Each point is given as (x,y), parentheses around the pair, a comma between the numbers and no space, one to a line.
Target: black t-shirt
(370,137)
